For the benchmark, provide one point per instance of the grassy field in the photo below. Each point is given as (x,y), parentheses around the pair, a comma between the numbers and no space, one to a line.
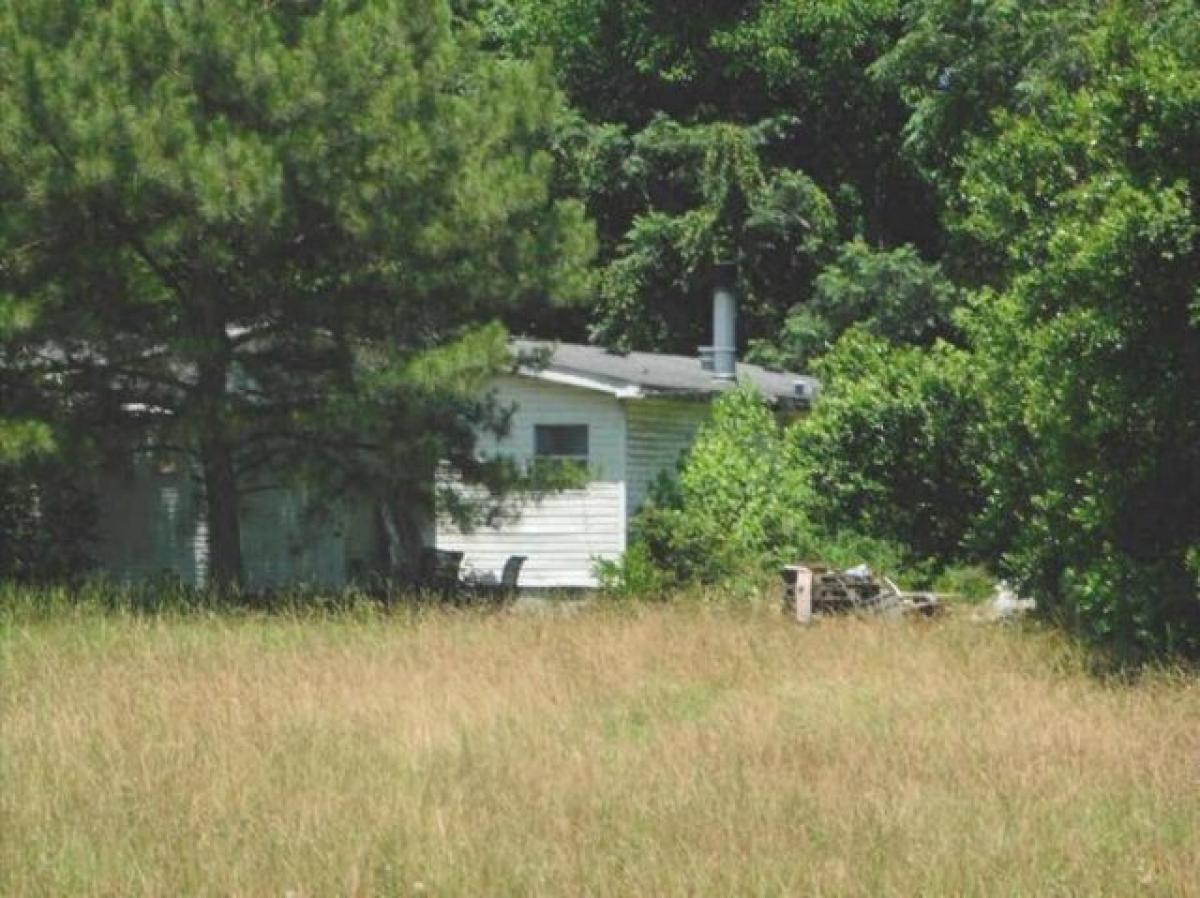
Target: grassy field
(649,751)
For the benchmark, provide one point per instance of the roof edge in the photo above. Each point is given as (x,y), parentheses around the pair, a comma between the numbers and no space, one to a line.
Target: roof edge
(628,391)
(633,391)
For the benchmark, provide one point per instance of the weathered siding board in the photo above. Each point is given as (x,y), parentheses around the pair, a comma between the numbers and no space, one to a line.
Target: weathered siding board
(562,534)
(151,522)
(659,431)
(365,550)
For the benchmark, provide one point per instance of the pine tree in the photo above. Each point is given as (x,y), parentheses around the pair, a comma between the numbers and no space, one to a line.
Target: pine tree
(242,228)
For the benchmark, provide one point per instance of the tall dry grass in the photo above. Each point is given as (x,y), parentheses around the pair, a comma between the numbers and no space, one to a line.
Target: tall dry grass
(653,751)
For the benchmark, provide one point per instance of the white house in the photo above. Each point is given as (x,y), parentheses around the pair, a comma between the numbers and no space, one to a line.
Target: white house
(628,417)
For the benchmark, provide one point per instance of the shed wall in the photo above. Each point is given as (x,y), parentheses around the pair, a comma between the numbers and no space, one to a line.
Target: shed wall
(151,525)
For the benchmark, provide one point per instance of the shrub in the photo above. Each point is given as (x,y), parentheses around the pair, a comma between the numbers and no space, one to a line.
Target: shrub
(738,504)
(47,520)
(969,583)
(738,508)
(891,447)
(635,575)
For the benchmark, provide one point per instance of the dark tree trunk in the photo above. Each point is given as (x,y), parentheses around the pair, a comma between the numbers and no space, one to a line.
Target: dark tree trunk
(402,541)
(221,505)
(217,448)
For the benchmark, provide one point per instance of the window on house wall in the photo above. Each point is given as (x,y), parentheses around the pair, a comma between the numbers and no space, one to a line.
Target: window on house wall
(561,442)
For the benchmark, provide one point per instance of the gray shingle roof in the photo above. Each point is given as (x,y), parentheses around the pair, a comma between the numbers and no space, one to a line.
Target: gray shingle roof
(656,374)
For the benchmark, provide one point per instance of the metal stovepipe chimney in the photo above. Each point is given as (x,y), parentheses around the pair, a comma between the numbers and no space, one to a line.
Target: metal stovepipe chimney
(724,318)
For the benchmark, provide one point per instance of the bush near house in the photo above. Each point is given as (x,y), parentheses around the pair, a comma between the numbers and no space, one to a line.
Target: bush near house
(742,504)
(892,447)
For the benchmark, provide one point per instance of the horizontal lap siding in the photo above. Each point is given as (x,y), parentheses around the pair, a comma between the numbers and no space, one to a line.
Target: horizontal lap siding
(658,432)
(282,545)
(151,525)
(564,533)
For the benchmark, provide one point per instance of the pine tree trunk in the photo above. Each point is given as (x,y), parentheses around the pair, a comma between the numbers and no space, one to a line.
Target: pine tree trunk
(224,524)
(402,540)
(217,460)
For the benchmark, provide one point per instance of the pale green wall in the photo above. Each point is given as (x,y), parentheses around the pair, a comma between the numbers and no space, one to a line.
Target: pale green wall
(150,525)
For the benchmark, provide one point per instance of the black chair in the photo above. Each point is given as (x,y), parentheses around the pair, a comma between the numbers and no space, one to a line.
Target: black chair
(439,571)
(506,589)
(511,575)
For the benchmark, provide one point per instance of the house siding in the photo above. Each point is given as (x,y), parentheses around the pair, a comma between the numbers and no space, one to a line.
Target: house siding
(151,522)
(561,534)
(151,525)
(658,432)
(284,544)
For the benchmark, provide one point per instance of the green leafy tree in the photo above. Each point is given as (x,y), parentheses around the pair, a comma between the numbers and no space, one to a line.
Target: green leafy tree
(681,101)
(1089,344)
(719,204)
(243,228)
(892,447)
(893,294)
(957,61)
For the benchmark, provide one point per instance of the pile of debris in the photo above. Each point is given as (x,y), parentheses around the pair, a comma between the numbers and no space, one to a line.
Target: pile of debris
(815,589)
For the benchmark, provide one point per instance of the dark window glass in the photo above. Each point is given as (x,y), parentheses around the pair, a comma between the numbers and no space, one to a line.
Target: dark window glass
(565,441)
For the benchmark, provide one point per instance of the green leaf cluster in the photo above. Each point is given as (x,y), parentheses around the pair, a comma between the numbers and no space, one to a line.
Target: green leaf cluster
(893,294)
(749,131)
(892,446)
(720,204)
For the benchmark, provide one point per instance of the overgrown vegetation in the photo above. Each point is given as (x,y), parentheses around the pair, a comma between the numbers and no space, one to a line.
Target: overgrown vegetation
(687,749)
(753,493)
(47,520)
